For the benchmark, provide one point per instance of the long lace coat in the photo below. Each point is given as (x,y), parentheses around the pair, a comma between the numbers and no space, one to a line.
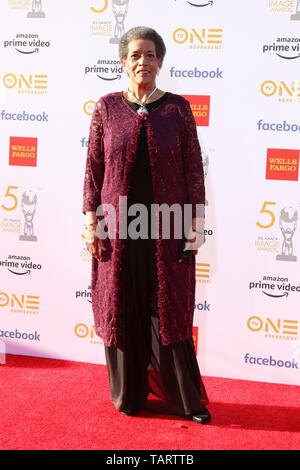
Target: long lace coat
(177,177)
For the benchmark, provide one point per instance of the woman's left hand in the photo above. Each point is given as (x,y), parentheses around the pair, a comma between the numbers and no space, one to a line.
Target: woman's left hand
(196,237)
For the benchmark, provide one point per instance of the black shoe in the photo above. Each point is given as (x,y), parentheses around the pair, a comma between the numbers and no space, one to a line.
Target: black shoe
(203,417)
(130,409)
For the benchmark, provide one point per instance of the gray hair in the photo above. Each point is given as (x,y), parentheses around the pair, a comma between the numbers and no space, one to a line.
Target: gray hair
(142,32)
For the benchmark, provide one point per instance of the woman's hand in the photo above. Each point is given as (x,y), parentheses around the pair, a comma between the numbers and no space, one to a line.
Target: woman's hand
(92,240)
(196,237)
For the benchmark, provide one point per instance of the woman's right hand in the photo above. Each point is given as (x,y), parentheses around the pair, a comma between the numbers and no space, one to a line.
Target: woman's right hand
(93,242)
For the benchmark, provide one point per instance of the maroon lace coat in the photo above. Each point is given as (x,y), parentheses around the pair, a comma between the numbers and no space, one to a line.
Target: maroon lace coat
(177,177)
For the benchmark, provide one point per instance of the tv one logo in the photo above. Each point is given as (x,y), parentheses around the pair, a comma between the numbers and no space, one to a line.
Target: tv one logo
(286,92)
(205,38)
(23,302)
(274,328)
(88,107)
(82,331)
(33,84)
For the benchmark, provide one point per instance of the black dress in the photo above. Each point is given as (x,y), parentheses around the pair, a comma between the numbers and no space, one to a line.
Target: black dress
(146,366)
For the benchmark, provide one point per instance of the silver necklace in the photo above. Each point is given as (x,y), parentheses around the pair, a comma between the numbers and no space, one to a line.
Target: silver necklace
(142,109)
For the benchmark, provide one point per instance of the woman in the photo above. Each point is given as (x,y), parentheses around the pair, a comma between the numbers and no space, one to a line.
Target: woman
(143,144)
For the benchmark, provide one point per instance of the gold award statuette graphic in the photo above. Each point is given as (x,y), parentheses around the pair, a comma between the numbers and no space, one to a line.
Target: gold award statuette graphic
(36,10)
(288,223)
(29,202)
(296,16)
(120,8)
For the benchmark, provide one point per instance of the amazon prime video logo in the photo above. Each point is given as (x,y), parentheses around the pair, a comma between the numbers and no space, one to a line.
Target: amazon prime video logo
(284,47)
(199,3)
(274,287)
(26,44)
(19,265)
(105,69)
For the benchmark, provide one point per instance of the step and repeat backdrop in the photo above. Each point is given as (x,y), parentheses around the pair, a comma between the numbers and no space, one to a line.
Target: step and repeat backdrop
(237,62)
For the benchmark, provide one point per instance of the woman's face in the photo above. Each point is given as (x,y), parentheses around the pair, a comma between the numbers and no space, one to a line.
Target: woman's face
(142,63)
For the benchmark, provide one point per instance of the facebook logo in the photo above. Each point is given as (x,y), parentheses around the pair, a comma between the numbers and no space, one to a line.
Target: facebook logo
(270,362)
(277,126)
(6,116)
(20,335)
(196,73)
(205,306)
(84,142)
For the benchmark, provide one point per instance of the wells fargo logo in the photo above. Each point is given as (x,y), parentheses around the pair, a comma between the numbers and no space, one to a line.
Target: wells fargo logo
(27,83)
(23,303)
(204,38)
(282,164)
(195,338)
(84,331)
(285,92)
(274,328)
(23,151)
(200,106)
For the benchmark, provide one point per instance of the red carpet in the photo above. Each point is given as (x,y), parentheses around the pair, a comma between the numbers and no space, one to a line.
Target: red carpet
(51,404)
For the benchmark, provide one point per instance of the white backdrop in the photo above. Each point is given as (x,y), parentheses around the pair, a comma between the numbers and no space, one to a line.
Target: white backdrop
(238,63)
